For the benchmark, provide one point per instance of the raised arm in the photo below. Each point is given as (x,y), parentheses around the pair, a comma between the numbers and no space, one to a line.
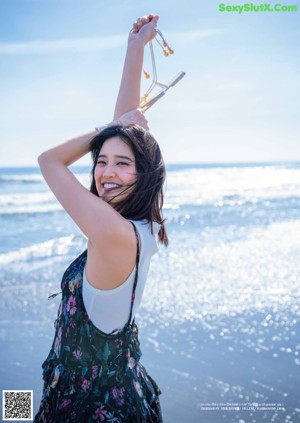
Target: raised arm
(130,88)
(94,216)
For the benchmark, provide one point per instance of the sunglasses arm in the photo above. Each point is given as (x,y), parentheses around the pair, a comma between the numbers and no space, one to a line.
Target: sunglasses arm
(152,101)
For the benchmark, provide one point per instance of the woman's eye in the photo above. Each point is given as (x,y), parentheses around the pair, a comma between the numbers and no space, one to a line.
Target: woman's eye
(103,163)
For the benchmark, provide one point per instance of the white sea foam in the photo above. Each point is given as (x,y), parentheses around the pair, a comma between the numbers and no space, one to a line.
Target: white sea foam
(41,202)
(53,247)
(222,187)
(30,178)
(230,186)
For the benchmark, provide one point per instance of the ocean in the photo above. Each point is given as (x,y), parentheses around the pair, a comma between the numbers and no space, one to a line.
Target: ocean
(219,321)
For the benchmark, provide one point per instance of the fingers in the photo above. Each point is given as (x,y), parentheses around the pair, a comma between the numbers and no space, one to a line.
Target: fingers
(135,116)
(140,22)
(137,25)
(139,119)
(142,121)
(154,20)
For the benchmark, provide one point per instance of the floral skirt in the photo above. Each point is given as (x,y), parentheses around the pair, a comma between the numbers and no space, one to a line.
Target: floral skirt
(80,395)
(90,376)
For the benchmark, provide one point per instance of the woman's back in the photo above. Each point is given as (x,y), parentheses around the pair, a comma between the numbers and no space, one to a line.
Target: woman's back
(109,309)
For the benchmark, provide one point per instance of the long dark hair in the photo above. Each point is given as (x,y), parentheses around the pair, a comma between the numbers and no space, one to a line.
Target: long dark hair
(145,196)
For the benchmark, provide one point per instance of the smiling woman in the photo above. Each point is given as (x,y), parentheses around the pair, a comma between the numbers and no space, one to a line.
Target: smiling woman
(93,371)
(132,160)
(115,171)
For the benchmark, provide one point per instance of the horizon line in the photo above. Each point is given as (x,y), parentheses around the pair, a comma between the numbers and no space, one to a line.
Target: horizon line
(176,163)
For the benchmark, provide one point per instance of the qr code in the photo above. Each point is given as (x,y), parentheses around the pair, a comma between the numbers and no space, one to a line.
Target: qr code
(17,405)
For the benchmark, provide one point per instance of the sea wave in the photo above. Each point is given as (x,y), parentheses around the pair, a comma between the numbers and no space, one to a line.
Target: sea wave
(232,211)
(35,178)
(211,186)
(40,202)
(54,247)
(21,179)
(231,185)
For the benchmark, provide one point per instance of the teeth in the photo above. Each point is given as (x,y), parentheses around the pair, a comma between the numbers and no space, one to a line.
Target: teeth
(108,186)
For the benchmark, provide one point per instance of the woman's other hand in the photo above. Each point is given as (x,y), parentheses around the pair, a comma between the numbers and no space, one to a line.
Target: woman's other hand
(135,116)
(145,27)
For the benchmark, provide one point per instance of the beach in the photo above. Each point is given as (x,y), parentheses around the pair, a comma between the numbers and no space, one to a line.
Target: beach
(219,321)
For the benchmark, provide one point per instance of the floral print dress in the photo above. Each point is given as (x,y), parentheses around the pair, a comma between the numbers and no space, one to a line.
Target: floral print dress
(90,376)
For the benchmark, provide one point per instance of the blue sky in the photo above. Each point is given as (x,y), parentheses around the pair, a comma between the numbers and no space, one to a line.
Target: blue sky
(61,63)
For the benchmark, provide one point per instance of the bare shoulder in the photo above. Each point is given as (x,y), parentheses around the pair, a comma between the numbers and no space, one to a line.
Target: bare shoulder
(108,266)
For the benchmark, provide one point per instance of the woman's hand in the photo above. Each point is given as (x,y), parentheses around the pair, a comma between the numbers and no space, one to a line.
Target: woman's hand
(129,95)
(144,27)
(135,116)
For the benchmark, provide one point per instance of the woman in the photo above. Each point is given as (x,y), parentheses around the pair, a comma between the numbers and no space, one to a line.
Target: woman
(93,373)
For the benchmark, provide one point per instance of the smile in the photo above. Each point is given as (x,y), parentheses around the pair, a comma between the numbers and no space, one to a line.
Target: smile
(110,186)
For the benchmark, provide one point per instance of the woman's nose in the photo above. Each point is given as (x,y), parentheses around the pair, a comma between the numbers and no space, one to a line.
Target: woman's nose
(109,170)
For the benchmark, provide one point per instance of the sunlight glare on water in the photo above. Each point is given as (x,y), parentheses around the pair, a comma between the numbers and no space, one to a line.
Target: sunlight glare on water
(221,309)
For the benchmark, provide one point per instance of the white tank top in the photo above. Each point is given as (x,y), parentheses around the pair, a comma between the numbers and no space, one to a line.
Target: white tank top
(109,309)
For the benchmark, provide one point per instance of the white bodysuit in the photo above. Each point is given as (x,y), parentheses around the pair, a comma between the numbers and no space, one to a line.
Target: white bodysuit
(109,309)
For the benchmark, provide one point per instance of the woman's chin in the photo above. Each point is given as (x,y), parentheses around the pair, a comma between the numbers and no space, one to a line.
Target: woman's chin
(111,198)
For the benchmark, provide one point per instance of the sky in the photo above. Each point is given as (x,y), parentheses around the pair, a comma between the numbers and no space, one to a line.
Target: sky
(61,64)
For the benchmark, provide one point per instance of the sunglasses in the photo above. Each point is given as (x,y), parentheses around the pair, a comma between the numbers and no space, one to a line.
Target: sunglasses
(146,101)
(146,104)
